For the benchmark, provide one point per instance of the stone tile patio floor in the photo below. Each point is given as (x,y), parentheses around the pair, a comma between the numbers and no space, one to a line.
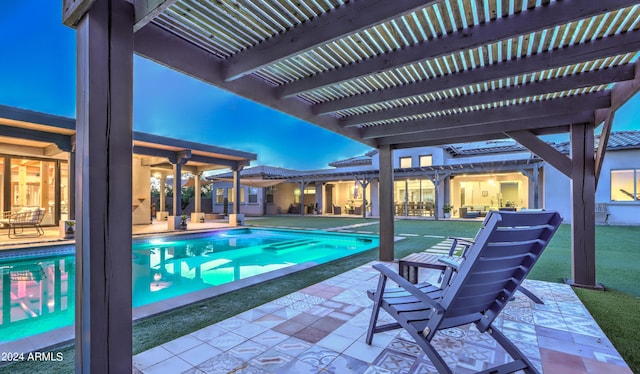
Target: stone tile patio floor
(321,329)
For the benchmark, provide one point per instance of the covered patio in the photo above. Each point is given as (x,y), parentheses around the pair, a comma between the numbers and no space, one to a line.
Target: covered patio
(386,73)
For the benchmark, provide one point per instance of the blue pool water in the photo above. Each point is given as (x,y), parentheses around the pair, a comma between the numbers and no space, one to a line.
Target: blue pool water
(38,291)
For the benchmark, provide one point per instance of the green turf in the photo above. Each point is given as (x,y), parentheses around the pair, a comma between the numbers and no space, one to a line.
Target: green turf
(618,268)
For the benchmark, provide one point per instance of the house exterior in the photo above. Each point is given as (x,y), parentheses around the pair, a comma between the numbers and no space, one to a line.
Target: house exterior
(472,178)
(37,155)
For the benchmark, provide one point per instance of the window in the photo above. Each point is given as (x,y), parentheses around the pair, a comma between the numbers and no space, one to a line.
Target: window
(625,185)
(253,195)
(426,160)
(219,195)
(231,194)
(405,162)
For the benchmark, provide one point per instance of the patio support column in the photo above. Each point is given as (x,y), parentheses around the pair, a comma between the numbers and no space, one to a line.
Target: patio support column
(197,182)
(319,196)
(104,42)
(534,185)
(436,195)
(72,182)
(178,160)
(583,248)
(374,198)
(386,252)
(236,189)
(364,182)
(6,176)
(163,193)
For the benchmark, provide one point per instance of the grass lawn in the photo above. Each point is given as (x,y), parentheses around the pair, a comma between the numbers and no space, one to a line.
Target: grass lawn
(618,268)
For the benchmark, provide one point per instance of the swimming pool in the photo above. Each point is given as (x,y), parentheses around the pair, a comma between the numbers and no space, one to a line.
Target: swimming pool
(38,290)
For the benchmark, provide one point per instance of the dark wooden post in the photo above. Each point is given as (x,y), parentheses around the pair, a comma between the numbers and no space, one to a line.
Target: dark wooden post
(583,189)
(386,252)
(103,187)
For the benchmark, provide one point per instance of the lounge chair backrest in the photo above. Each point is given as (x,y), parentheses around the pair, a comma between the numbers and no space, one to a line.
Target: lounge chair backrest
(504,252)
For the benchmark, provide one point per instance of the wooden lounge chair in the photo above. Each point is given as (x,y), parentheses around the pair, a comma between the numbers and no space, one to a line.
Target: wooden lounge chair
(504,252)
(21,219)
(408,266)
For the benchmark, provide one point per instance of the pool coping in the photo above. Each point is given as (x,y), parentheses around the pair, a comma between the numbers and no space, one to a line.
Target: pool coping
(65,336)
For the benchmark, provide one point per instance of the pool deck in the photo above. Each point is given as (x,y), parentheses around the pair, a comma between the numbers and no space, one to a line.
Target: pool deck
(321,329)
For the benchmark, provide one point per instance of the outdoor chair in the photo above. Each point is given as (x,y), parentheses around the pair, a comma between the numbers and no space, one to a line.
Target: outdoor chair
(21,219)
(337,210)
(409,266)
(503,254)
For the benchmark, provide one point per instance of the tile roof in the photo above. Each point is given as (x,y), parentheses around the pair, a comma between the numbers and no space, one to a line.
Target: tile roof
(260,171)
(617,141)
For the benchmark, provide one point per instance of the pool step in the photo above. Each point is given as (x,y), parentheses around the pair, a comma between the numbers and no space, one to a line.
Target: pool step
(290,244)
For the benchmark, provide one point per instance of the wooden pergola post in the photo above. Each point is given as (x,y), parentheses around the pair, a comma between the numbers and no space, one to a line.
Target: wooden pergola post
(583,190)
(103,187)
(386,252)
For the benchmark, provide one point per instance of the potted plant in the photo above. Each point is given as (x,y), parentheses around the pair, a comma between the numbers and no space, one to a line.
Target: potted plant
(69,229)
(183,222)
(446,209)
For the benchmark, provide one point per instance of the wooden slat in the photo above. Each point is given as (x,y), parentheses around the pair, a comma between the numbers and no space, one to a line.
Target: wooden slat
(523,23)
(347,19)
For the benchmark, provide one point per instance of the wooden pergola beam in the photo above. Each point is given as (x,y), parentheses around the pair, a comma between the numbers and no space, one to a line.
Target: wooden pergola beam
(544,150)
(346,19)
(628,42)
(534,20)
(558,123)
(169,50)
(564,105)
(587,79)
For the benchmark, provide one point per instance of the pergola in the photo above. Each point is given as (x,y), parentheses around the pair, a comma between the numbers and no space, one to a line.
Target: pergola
(390,74)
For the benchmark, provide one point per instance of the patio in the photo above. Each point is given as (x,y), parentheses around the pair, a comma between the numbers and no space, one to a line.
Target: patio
(321,328)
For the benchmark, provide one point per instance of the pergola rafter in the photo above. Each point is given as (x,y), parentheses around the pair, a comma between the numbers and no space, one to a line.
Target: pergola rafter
(616,45)
(323,29)
(475,118)
(569,82)
(552,124)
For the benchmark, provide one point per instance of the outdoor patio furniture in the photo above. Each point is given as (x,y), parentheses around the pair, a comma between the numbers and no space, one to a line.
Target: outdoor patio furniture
(357,210)
(337,210)
(408,266)
(504,252)
(21,219)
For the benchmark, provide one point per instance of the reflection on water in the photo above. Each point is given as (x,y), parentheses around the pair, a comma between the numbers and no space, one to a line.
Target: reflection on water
(38,293)
(37,296)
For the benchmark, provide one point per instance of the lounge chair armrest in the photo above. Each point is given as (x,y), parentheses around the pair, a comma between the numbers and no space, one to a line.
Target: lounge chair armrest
(452,261)
(386,272)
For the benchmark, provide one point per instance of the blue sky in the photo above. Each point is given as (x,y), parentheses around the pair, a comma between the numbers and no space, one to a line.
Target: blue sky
(37,72)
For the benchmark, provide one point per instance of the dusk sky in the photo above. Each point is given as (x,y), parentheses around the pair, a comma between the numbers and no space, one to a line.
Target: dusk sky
(37,72)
